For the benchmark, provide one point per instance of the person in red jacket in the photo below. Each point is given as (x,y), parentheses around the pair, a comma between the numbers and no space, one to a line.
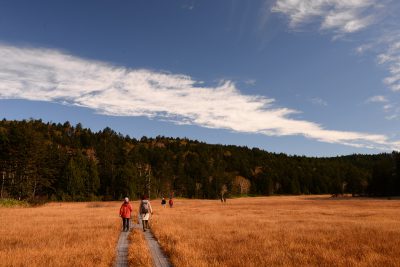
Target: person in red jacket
(125,214)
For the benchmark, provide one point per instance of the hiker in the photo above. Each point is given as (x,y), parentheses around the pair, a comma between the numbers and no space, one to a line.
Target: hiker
(163,202)
(223,199)
(125,214)
(171,203)
(145,210)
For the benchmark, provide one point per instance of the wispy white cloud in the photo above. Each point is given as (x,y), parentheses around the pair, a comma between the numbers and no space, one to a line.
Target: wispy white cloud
(391,59)
(342,16)
(50,75)
(189,5)
(379,19)
(387,107)
(251,82)
(377,99)
(393,111)
(393,117)
(318,101)
(390,108)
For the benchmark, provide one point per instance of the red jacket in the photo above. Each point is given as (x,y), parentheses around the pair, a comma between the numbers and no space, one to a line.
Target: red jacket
(125,210)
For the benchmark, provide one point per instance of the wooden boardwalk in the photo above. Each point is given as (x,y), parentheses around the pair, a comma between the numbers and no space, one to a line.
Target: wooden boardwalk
(122,250)
(158,256)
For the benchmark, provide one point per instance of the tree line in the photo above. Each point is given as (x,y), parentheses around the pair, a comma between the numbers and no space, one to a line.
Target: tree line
(64,162)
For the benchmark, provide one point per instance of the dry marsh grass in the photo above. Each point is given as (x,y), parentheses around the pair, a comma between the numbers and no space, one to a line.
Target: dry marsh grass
(139,253)
(280,231)
(59,234)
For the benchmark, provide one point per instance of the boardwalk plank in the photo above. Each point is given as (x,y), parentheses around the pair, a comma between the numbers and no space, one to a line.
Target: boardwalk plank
(122,250)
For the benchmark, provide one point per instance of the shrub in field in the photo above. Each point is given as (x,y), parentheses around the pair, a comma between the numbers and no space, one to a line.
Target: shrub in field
(9,202)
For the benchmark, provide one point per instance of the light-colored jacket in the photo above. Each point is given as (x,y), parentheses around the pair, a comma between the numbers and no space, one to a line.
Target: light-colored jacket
(145,201)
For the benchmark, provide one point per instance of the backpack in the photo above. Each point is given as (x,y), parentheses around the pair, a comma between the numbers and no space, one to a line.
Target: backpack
(144,208)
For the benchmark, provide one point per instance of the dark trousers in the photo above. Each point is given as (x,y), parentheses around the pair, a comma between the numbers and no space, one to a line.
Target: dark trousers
(125,224)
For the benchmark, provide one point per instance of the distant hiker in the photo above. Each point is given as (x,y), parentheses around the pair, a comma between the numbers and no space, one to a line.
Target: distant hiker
(125,214)
(145,210)
(163,202)
(223,197)
(171,203)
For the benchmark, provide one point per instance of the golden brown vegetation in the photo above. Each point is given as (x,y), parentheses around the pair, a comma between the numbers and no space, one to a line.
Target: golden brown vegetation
(139,253)
(280,231)
(59,234)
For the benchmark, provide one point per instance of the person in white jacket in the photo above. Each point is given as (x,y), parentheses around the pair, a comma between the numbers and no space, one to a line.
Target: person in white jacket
(145,210)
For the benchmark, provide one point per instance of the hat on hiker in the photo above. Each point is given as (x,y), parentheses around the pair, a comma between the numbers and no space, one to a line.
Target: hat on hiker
(126,199)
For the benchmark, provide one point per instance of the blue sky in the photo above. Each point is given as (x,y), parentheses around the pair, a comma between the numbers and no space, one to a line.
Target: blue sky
(317,77)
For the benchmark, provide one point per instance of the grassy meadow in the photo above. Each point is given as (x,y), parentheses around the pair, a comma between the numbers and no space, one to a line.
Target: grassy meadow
(59,234)
(280,231)
(263,231)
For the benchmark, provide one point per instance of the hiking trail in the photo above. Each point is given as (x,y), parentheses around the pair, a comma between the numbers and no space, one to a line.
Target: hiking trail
(157,255)
(122,250)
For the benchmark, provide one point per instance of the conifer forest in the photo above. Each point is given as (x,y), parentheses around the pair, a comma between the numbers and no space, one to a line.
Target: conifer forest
(54,161)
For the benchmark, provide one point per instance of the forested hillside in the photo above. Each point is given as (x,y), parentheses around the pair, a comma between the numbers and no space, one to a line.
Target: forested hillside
(65,162)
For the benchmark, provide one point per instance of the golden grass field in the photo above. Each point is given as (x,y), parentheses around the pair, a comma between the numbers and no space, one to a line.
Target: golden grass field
(269,231)
(280,231)
(59,234)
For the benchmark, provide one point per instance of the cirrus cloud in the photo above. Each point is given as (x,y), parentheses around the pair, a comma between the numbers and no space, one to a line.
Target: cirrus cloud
(342,16)
(51,75)
(377,99)
(378,19)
